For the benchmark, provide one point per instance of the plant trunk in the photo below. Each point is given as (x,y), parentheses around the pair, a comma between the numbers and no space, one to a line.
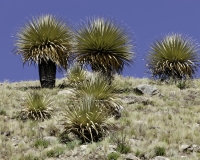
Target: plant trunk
(47,73)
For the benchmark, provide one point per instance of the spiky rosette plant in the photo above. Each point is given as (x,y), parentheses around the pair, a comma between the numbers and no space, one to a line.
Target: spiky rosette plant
(76,75)
(104,45)
(175,56)
(99,88)
(37,106)
(87,120)
(47,41)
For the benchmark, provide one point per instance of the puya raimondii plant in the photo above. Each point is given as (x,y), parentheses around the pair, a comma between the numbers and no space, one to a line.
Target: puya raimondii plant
(37,106)
(76,75)
(45,40)
(104,45)
(87,120)
(98,87)
(173,57)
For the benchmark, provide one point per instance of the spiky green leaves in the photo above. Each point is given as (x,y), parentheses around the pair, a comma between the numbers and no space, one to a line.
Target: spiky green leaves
(76,75)
(98,88)
(89,117)
(175,56)
(87,120)
(45,37)
(37,106)
(104,45)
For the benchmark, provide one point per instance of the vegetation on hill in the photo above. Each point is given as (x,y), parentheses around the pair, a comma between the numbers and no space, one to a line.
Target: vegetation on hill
(104,45)
(166,124)
(49,42)
(45,40)
(175,56)
(100,115)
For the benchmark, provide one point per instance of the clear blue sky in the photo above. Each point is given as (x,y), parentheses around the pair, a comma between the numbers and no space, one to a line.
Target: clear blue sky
(147,19)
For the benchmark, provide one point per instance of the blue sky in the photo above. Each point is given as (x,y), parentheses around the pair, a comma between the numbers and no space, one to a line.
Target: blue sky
(146,19)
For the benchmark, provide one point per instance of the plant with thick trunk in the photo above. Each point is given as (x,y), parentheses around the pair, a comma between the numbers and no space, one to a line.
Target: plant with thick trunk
(104,45)
(175,56)
(47,41)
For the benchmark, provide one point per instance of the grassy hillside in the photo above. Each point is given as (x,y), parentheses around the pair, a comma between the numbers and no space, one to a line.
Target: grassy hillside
(165,124)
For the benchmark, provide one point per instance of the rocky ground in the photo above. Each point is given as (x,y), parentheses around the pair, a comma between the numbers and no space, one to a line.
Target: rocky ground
(157,121)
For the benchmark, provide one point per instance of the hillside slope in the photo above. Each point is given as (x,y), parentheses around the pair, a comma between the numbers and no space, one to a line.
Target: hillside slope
(165,124)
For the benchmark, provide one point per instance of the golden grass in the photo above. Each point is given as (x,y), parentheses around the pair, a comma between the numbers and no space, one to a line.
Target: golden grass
(171,120)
